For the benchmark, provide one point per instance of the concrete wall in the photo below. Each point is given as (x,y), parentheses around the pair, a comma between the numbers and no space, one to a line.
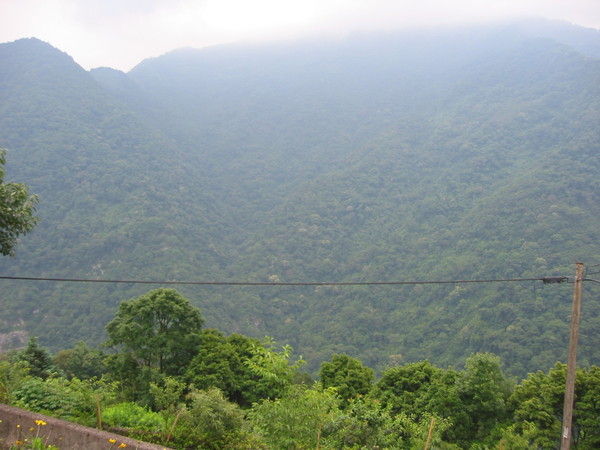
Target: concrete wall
(16,423)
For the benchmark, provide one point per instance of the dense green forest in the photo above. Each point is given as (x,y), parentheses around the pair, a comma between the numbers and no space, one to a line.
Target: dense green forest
(456,154)
(164,378)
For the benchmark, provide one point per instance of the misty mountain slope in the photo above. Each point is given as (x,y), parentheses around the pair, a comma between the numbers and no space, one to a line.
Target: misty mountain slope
(117,199)
(452,160)
(584,40)
(431,155)
(465,194)
(300,108)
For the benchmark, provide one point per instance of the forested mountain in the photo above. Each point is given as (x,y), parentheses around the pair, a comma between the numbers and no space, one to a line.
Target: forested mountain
(423,155)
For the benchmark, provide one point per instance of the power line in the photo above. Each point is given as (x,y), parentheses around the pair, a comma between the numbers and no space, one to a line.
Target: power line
(545,280)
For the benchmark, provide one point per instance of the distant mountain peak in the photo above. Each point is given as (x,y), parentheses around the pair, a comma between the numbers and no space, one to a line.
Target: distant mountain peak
(32,55)
(585,40)
(33,44)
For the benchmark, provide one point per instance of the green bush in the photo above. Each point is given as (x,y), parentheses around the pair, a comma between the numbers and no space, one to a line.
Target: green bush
(58,397)
(212,422)
(130,415)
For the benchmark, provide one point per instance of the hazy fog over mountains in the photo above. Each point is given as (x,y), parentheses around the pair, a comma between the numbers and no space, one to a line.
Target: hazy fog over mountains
(454,154)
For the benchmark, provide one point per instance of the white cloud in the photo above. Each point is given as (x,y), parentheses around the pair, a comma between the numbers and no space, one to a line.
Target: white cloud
(120,33)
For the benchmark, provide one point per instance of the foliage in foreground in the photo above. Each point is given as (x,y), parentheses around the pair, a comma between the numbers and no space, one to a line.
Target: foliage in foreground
(17,209)
(237,392)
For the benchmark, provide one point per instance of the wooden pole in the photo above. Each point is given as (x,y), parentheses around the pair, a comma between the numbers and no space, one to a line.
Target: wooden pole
(98,412)
(429,434)
(571,364)
(174,423)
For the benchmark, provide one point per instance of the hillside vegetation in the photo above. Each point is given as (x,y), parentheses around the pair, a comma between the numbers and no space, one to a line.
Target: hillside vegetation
(430,155)
(172,382)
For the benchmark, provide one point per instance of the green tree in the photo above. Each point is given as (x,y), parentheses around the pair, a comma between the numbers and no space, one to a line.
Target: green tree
(365,423)
(588,408)
(539,401)
(484,391)
(421,389)
(37,359)
(418,387)
(134,380)
(12,376)
(221,362)
(17,208)
(168,401)
(168,395)
(274,366)
(348,376)
(214,364)
(81,361)
(296,420)
(211,422)
(159,330)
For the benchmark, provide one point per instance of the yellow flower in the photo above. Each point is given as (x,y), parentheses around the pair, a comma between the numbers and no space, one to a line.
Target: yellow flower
(18,426)
(19,442)
(32,429)
(40,422)
(122,445)
(112,441)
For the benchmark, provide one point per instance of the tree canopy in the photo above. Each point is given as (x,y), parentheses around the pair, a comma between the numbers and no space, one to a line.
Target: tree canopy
(238,392)
(348,376)
(538,403)
(159,329)
(17,209)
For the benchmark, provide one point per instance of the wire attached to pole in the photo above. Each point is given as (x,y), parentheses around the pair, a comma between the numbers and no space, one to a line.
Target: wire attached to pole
(545,280)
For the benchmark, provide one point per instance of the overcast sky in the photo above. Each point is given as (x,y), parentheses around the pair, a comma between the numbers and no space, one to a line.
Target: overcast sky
(121,33)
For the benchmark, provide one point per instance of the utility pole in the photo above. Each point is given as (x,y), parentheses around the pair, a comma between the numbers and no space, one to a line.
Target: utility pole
(571,364)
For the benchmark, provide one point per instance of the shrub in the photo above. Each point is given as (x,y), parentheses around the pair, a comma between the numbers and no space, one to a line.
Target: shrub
(130,415)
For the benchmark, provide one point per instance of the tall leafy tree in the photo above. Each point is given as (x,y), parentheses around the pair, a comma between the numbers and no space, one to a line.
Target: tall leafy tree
(348,375)
(213,365)
(222,362)
(212,422)
(17,208)
(418,387)
(539,401)
(81,361)
(421,389)
(484,390)
(37,359)
(12,376)
(273,366)
(159,330)
(296,420)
